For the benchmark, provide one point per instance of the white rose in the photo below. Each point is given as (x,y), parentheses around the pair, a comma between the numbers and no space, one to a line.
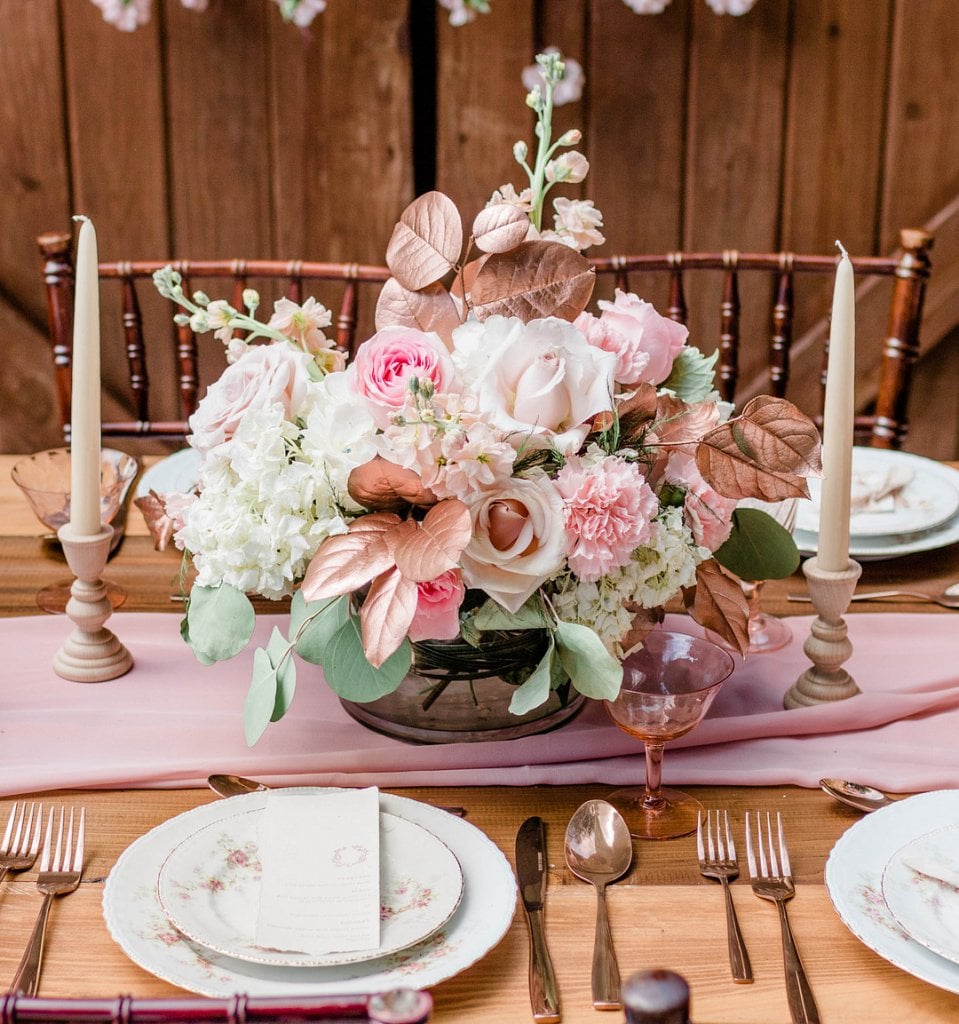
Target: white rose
(540,383)
(518,540)
(262,376)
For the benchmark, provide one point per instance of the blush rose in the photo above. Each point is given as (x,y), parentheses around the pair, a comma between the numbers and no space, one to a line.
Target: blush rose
(644,330)
(437,608)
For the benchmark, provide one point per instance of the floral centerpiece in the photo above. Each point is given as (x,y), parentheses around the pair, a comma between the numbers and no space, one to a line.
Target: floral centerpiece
(495,462)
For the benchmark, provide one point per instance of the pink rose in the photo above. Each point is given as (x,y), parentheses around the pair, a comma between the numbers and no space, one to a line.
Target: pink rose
(518,539)
(437,608)
(631,360)
(384,365)
(610,510)
(263,376)
(708,514)
(647,331)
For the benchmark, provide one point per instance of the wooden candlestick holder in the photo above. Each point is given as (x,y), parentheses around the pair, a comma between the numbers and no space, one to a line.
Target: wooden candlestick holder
(827,645)
(91,654)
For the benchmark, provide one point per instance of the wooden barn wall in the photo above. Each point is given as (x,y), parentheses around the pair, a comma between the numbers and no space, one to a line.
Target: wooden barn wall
(230,133)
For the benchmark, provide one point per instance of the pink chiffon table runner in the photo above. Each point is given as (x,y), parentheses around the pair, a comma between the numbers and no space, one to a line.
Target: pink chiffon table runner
(171,722)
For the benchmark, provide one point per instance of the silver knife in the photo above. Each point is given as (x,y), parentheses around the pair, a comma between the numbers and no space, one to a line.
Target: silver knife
(531,872)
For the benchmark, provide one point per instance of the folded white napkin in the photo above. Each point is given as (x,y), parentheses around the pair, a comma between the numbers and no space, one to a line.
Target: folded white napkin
(879,490)
(320,882)
(936,858)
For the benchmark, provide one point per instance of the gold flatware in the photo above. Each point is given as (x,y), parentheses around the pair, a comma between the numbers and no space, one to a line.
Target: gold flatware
(771,879)
(599,850)
(854,794)
(949,598)
(717,860)
(531,874)
(21,840)
(237,785)
(59,875)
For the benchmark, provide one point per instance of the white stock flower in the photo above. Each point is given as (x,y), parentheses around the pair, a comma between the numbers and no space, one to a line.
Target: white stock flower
(125,15)
(647,6)
(734,7)
(580,220)
(507,195)
(568,89)
(570,168)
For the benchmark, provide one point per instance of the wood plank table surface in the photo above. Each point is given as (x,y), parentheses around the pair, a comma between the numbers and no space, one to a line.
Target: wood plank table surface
(663,914)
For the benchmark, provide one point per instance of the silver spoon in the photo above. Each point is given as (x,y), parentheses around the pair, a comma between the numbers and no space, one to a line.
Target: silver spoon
(949,598)
(863,798)
(599,850)
(237,785)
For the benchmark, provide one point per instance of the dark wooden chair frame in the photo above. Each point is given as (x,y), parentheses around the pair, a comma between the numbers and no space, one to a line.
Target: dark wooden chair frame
(885,428)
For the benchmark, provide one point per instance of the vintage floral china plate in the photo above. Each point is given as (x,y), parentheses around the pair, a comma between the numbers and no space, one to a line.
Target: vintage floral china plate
(927,908)
(137,923)
(178,472)
(854,880)
(209,888)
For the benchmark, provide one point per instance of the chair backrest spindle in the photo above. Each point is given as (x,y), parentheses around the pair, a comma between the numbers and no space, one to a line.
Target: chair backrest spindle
(728,366)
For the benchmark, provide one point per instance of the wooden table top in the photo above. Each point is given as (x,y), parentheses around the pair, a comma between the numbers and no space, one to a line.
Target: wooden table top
(663,914)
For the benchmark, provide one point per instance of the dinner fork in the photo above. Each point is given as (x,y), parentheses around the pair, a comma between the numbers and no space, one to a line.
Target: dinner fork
(772,880)
(717,860)
(58,876)
(21,840)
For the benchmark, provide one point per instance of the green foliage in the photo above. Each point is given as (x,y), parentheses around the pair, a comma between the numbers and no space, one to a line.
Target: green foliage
(591,668)
(219,622)
(758,547)
(536,689)
(691,378)
(313,623)
(350,675)
(494,616)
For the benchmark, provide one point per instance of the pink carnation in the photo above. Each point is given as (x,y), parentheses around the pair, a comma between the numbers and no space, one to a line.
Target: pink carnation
(708,514)
(437,608)
(646,331)
(609,511)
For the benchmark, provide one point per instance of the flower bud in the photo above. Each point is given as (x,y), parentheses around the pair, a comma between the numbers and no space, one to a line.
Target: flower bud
(201,298)
(251,298)
(520,149)
(534,99)
(182,319)
(572,138)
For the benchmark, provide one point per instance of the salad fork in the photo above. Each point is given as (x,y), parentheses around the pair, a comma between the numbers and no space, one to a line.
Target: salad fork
(772,880)
(58,876)
(21,840)
(717,860)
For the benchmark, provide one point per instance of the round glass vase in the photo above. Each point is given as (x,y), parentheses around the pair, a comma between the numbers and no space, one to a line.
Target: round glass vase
(458,693)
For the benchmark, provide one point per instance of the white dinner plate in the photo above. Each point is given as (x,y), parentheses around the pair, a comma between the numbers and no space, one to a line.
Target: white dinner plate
(928,909)
(209,888)
(927,501)
(137,923)
(854,877)
(177,473)
(879,549)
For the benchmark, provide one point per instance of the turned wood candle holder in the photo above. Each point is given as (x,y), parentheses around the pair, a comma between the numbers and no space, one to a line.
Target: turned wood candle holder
(827,645)
(91,654)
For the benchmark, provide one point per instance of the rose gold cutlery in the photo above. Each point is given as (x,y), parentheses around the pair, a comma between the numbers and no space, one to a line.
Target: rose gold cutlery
(531,874)
(717,860)
(854,794)
(60,874)
(21,839)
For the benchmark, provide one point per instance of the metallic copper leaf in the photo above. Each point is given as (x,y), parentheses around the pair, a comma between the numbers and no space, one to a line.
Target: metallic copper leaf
(719,604)
(386,615)
(436,545)
(535,279)
(464,280)
(645,620)
(500,228)
(346,562)
(383,486)
(159,524)
(679,423)
(636,412)
(767,452)
(430,309)
(427,241)
(375,522)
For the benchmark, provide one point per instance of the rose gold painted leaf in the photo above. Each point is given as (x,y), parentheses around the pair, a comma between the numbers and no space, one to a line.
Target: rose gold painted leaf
(346,562)
(637,412)
(375,522)
(718,604)
(427,241)
(679,423)
(155,516)
(645,620)
(535,279)
(430,309)
(384,486)
(465,279)
(437,544)
(767,452)
(500,228)
(386,615)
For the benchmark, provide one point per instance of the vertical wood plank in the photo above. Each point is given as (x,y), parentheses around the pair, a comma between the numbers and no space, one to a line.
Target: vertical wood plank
(922,141)
(735,129)
(118,161)
(481,103)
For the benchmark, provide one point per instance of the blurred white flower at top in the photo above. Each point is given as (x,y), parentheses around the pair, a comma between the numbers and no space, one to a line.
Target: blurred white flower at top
(647,6)
(301,12)
(195,5)
(126,15)
(464,11)
(734,7)
(568,89)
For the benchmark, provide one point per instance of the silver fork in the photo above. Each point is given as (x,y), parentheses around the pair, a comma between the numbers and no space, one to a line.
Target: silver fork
(58,876)
(21,840)
(717,860)
(772,880)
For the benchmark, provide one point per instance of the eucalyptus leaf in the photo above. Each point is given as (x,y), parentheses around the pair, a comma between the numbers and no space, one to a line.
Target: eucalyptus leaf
(280,652)
(691,378)
(591,668)
(350,675)
(536,689)
(261,697)
(220,621)
(758,547)
(313,623)
(185,635)
(494,616)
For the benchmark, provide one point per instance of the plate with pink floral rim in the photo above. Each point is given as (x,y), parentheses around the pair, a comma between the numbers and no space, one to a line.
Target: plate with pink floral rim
(137,923)
(926,906)
(854,880)
(209,888)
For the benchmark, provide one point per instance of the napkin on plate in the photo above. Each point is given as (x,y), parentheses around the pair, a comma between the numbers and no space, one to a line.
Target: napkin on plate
(877,490)
(320,881)
(935,857)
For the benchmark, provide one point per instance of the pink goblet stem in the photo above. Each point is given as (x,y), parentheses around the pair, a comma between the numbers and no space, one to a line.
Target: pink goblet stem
(653,798)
